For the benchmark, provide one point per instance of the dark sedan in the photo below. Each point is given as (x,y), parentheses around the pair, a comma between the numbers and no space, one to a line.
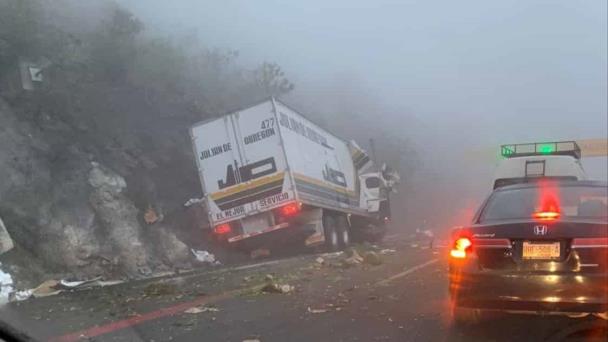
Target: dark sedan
(539,247)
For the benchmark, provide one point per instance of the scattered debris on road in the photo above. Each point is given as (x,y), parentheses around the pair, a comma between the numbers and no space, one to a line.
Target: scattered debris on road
(6,285)
(372,258)
(47,288)
(159,289)
(354,258)
(204,256)
(316,311)
(192,202)
(197,310)
(387,251)
(320,260)
(277,288)
(260,253)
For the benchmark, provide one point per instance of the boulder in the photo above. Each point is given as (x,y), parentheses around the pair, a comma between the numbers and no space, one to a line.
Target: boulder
(118,217)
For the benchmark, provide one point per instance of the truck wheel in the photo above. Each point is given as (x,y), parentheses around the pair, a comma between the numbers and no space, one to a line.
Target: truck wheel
(332,240)
(343,231)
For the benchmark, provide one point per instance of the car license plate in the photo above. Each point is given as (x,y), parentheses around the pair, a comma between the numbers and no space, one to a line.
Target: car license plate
(535,250)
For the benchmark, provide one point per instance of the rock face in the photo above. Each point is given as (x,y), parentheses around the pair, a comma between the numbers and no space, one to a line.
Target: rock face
(67,215)
(117,217)
(170,249)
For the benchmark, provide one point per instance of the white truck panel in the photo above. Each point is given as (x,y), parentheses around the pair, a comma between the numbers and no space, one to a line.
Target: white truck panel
(320,163)
(242,164)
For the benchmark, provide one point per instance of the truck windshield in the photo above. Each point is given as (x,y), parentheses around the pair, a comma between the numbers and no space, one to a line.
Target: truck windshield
(569,201)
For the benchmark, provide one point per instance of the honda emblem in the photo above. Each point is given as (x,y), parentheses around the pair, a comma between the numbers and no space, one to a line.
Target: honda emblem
(540,230)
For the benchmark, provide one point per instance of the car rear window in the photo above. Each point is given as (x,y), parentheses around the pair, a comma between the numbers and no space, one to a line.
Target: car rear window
(569,201)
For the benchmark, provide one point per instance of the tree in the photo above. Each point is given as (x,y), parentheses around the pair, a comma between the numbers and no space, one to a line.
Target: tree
(272,80)
(114,46)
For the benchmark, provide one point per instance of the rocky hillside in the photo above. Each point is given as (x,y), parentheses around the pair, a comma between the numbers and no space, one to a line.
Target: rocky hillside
(102,140)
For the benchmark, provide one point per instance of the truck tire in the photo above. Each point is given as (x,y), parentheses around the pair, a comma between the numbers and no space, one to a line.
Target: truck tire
(343,230)
(332,240)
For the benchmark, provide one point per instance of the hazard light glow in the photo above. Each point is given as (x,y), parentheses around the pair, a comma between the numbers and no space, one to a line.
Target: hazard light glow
(222,229)
(290,209)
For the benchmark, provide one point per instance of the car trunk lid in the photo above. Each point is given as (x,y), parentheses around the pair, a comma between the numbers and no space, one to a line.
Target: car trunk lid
(538,246)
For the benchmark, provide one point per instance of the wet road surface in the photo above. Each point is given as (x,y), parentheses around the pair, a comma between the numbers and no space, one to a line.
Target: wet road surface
(403,298)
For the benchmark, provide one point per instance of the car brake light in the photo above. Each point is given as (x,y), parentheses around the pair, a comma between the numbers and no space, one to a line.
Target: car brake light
(459,250)
(290,209)
(546,215)
(222,229)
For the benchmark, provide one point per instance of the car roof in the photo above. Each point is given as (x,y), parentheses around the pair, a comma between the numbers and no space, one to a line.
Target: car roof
(560,182)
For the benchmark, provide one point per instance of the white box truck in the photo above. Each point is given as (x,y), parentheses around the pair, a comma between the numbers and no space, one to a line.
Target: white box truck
(269,174)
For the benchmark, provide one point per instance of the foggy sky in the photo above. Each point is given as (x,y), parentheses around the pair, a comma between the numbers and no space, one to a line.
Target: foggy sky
(519,70)
(452,75)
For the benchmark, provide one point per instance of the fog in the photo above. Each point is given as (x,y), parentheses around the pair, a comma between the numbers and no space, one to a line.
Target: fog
(451,80)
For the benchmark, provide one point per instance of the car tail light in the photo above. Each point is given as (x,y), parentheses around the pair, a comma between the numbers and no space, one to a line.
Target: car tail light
(222,229)
(290,209)
(461,246)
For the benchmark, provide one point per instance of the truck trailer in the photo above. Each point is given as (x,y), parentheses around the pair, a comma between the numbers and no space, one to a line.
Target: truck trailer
(269,174)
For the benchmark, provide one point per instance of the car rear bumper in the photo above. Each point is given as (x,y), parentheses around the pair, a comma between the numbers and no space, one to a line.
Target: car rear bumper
(531,292)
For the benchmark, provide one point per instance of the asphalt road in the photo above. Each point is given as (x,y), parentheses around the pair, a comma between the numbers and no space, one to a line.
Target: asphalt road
(404,298)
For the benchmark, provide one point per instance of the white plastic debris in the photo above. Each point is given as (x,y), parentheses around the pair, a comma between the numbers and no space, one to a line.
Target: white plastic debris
(278,288)
(6,286)
(20,295)
(192,202)
(204,256)
(387,251)
(316,311)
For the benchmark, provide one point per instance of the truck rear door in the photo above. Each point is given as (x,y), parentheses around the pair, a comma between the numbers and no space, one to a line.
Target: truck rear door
(218,160)
(242,164)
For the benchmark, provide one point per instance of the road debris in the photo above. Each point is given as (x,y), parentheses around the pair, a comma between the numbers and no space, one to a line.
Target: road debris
(387,251)
(332,254)
(320,260)
(159,289)
(46,288)
(197,310)
(354,258)
(277,288)
(316,311)
(52,287)
(204,256)
(150,216)
(251,340)
(372,258)
(192,202)
(260,253)
(6,285)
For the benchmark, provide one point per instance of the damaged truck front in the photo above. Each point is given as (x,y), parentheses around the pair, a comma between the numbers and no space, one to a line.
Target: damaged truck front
(269,175)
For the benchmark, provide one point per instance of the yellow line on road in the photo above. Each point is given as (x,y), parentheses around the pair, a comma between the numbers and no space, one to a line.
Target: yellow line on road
(406,272)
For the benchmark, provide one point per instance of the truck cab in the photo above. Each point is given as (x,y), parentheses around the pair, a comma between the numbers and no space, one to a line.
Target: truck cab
(530,162)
